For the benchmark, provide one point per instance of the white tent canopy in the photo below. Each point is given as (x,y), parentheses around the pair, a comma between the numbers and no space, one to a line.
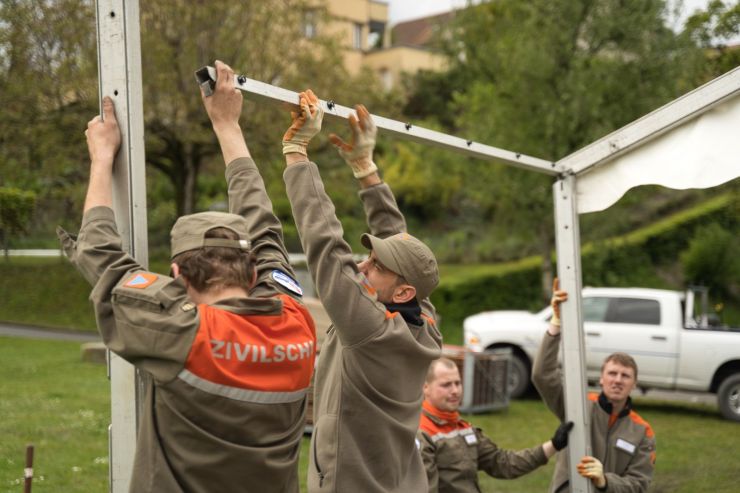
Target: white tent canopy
(701,153)
(692,142)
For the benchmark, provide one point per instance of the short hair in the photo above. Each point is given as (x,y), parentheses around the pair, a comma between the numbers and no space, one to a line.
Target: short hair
(217,267)
(433,365)
(623,359)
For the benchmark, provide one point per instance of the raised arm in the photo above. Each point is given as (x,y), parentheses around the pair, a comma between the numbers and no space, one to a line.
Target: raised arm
(247,194)
(135,310)
(546,374)
(338,281)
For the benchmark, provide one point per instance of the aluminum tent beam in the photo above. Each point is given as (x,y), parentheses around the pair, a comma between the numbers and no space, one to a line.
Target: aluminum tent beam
(119,75)
(654,124)
(207,75)
(573,349)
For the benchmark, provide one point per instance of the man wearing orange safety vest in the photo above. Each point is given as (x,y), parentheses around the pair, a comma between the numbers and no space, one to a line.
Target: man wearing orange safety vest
(622,443)
(226,340)
(383,336)
(454,451)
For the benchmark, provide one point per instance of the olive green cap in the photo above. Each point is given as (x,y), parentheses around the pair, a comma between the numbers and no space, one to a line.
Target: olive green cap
(189,232)
(409,257)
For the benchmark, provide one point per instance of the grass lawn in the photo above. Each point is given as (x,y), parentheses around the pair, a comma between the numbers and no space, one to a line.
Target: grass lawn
(52,399)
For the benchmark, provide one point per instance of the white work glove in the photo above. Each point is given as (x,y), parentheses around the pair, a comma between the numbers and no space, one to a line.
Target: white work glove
(306,124)
(558,297)
(591,468)
(358,154)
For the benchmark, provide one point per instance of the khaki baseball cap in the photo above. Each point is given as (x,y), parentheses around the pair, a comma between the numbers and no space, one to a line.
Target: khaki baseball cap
(409,257)
(189,232)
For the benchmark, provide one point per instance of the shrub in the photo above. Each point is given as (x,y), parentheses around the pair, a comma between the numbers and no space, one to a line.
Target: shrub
(711,259)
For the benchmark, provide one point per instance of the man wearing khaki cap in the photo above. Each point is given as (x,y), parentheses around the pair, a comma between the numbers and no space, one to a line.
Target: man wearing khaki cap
(226,341)
(383,336)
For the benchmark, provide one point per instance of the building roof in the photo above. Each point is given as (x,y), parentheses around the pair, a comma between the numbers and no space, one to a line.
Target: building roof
(419,32)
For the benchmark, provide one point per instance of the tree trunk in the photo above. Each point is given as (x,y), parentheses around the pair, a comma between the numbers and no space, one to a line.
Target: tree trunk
(186,182)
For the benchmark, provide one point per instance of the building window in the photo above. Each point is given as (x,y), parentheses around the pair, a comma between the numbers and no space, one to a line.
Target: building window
(375,38)
(309,24)
(357,36)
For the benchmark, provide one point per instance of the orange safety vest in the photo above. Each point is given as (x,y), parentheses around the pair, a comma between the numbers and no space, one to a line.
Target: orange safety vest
(260,358)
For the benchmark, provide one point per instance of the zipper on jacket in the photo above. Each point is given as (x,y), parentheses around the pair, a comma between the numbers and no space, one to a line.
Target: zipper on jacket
(316,456)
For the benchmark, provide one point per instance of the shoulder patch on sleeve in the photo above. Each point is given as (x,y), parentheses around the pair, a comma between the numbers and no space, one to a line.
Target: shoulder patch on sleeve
(287,282)
(140,280)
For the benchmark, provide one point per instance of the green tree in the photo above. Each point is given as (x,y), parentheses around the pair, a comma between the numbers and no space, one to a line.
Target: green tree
(713,28)
(16,207)
(546,77)
(48,92)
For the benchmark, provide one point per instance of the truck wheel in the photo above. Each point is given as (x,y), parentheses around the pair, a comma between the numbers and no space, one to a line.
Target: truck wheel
(518,377)
(728,397)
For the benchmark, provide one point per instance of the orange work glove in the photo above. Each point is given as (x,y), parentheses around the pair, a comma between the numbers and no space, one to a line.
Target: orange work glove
(358,154)
(306,124)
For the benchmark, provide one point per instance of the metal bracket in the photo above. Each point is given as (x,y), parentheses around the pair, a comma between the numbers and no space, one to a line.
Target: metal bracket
(206,78)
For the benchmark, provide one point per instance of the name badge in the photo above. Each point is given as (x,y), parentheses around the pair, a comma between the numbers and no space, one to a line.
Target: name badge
(626,446)
(471,439)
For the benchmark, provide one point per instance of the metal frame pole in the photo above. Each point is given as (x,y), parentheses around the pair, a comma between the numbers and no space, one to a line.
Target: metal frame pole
(573,344)
(119,73)
(206,77)
(468,381)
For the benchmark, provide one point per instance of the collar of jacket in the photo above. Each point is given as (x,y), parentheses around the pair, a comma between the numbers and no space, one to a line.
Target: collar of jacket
(410,311)
(607,406)
(251,306)
(440,417)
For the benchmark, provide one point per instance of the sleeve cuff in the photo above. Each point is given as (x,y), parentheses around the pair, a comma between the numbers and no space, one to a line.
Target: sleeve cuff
(239,164)
(541,456)
(372,190)
(296,167)
(100,213)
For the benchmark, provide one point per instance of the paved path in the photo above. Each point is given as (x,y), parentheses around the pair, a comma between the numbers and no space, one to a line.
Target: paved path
(31,332)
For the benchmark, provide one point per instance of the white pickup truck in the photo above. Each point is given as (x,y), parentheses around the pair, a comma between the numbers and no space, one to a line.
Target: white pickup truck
(675,344)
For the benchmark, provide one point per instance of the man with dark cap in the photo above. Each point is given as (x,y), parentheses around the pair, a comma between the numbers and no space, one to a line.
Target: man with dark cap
(383,336)
(226,341)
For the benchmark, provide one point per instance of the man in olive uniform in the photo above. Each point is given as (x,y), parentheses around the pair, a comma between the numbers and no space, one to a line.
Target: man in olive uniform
(226,341)
(383,336)
(454,451)
(622,443)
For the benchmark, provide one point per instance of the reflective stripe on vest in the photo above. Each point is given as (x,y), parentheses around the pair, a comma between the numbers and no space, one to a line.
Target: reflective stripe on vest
(468,430)
(254,357)
(255,396)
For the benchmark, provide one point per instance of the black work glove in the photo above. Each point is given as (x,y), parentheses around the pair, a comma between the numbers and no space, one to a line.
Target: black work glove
(560,438)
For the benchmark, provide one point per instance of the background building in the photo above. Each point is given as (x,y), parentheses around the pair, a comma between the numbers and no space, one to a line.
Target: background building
(363,30)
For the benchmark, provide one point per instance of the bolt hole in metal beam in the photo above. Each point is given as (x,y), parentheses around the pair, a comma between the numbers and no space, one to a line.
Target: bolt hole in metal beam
(206,78)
